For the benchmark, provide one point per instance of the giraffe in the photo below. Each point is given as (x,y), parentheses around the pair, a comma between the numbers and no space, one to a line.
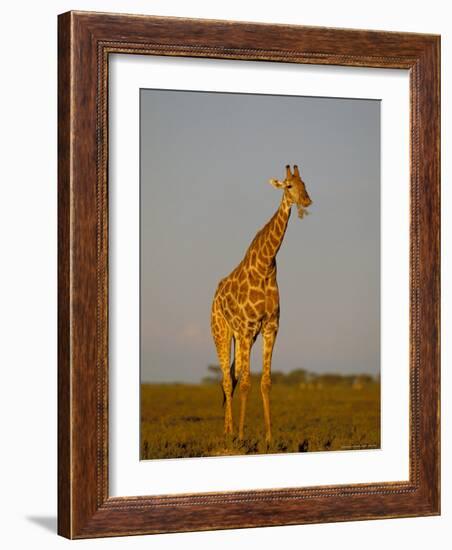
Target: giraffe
(246,303)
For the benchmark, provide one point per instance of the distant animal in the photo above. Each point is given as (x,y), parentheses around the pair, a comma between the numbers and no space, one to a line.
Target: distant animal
(246,303)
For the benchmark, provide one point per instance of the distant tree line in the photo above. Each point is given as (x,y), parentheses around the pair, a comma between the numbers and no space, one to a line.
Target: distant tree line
(301,378)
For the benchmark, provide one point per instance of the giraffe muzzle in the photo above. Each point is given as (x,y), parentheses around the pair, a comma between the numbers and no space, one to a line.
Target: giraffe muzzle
(302,211)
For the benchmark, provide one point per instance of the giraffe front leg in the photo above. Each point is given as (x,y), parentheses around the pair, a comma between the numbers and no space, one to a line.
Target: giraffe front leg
(243,366)
(269,337)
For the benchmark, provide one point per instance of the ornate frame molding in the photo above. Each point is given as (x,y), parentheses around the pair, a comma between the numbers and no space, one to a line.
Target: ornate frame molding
(85,42)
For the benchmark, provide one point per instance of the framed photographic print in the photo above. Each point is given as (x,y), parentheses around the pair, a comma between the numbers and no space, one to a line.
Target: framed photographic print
(248,275)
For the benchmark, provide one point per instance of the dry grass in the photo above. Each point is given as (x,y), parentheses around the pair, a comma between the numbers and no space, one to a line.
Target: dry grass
(180,420)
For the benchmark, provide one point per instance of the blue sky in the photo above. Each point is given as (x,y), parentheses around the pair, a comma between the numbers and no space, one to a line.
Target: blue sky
(205,162)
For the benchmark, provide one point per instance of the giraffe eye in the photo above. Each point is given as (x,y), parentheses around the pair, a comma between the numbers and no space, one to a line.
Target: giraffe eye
(289,187)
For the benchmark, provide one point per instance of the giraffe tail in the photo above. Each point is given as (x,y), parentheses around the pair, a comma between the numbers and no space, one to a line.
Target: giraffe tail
(234,378)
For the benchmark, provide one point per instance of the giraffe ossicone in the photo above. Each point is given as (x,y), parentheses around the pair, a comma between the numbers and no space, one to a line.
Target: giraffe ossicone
(246,303)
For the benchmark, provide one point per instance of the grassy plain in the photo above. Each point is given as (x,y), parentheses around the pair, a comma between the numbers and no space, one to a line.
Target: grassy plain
(181,420)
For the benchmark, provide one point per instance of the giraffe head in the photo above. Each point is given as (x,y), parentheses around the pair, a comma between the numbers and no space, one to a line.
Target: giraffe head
(294,189)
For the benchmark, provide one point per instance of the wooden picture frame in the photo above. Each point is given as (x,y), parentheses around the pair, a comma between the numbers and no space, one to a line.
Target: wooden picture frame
(85,42)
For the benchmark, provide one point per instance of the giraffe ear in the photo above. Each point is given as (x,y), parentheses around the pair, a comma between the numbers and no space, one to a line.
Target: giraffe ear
(276,183)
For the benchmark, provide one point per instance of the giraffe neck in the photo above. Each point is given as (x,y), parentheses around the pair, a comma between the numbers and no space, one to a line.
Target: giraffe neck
(268,241)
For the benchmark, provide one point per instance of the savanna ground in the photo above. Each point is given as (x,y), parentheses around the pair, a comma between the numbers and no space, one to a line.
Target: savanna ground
(182,420)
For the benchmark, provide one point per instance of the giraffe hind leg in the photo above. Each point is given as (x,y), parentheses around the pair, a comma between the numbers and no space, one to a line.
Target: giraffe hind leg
(243,363)
(222,336)
(224,351)
(235,372)
(232,373)
(234,381)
